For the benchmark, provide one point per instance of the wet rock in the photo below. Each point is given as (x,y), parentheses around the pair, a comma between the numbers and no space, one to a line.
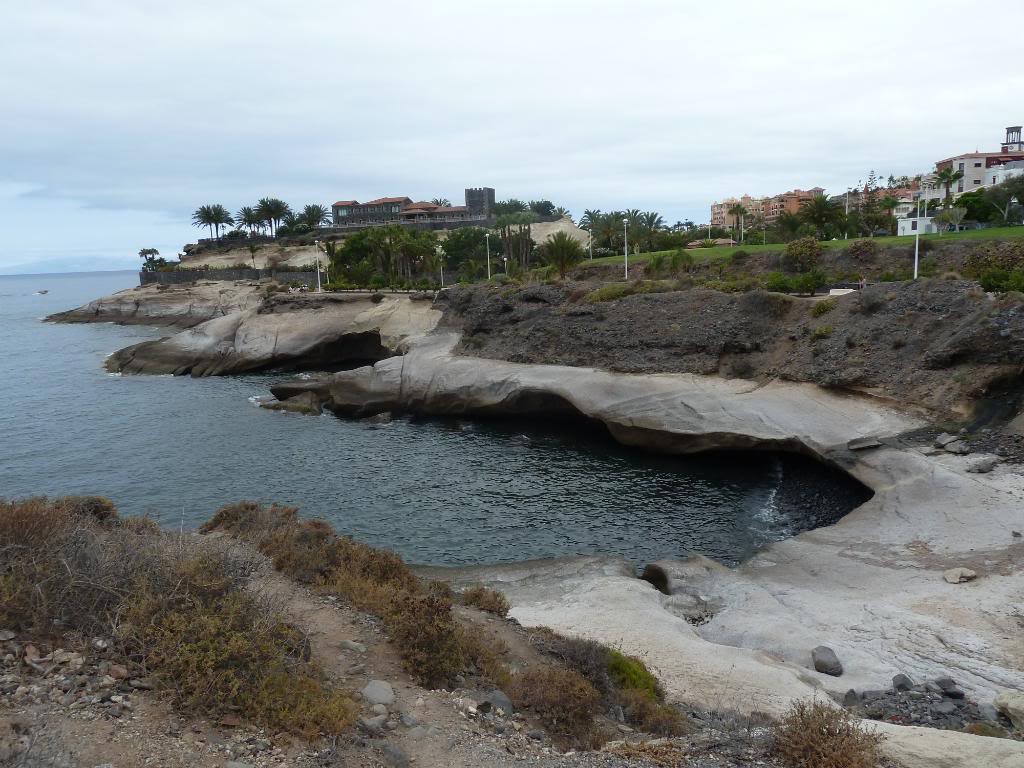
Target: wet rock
(959,575)
(1011,705)
(379,692)
(384,417)
(826,661)
(902,683)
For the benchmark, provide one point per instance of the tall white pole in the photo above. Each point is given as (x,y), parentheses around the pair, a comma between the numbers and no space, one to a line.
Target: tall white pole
(487,238)
(590,239)
(318,246)
(846,234)
(917,237)
(625,240)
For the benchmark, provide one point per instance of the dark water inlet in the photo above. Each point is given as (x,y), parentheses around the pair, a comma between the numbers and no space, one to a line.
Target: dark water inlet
(439,492)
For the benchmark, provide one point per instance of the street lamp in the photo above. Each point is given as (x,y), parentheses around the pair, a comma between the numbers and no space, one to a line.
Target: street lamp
(440,260)
(590,241)
(319,245)
(487,239)
(625,241)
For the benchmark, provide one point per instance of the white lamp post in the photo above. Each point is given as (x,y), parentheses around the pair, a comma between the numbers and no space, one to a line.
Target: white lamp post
(917,234)
(319,246)
(440,260)
(625,240)
(487,239)
(590,241)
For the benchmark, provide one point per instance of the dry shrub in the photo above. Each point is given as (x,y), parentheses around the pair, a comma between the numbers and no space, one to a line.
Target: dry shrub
(648,714)
(177,606)
(222,651)
(427,635)
(814,734)
(563,700)
(419,621)
(587,657)
(486,655)
(490,600)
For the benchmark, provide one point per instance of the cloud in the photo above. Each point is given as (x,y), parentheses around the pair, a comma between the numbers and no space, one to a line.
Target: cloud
(122,118)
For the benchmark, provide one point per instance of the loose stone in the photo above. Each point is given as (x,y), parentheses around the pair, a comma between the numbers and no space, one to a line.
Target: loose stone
(826,661)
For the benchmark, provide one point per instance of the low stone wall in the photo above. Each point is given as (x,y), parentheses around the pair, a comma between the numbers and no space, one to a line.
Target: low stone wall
(179,277)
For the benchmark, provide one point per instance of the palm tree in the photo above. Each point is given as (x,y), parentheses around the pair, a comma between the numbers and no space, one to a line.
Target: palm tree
(213,216)
(273,211)
(562,252)
(314,215)
(203,217)
(441,202)
(248,218)
(946,176)
(737,211)
(563,212)
(589,218)
(820,212)
(221,218)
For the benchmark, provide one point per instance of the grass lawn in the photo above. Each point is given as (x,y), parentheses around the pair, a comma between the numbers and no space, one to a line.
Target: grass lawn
(723,251)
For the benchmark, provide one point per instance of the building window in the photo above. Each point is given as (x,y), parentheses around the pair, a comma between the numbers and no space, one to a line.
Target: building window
(960,186)
(977,182)
(977,165)
(913,225)
(960,167)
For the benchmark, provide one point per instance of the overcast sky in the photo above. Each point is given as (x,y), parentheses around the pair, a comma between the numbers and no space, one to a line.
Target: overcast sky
(117,119)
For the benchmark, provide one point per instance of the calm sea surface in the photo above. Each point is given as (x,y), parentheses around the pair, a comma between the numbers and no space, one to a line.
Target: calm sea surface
(439,492)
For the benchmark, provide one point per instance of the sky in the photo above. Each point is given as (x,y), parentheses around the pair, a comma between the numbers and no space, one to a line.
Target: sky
(118,119)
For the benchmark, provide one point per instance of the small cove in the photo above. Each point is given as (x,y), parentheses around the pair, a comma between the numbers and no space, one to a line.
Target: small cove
(440,492)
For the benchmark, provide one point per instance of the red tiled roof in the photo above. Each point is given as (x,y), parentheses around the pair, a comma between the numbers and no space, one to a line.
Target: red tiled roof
(385,200)
(345,202)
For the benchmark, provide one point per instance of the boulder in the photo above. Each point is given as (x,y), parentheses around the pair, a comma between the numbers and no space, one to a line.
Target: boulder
(902,683)
(959,575)
(959,447)
(495,700)
(373,725)
(949,687)
(945,439)
(378,692)
(983,466)
(826,661)
(1011,704)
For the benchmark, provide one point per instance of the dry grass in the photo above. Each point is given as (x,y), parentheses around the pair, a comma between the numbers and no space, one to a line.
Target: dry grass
(814,734)
(419,620)
(490,600)
(178,608)
(563,700)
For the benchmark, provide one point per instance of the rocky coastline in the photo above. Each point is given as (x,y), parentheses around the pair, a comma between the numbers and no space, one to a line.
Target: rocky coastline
(870,587)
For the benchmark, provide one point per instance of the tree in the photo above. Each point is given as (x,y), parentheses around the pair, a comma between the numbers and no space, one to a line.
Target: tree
(955,216)
(272,211)
(590,218)
(511,205)
(737,211)
(563,212)
(213,216)
(252,254)
(787,225)
(468,243)
(248,218)
(441,202)
(150,262)
(542,207)
(888,204)
(314,215)
(946,176)
(514,229)
(562,252)
(821,213)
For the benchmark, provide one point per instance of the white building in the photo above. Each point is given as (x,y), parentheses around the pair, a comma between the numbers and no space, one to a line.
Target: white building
(910,226)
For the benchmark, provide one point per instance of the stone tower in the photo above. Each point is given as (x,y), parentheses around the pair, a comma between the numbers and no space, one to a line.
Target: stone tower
(480,201)
(1012,143)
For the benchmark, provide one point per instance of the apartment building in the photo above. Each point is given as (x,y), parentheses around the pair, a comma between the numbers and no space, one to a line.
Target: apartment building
(770,208)
(351,214)
(980,169)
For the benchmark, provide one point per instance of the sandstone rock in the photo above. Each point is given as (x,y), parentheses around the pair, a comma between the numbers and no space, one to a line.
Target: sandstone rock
(1011,704)
(826,661)
(379,692)
(959,575)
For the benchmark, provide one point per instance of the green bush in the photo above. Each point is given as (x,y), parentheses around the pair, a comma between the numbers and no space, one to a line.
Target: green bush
(778,283)
(1001,280)
(801,255)
(821,332)
(808,282)
(823,307)
(628,672)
